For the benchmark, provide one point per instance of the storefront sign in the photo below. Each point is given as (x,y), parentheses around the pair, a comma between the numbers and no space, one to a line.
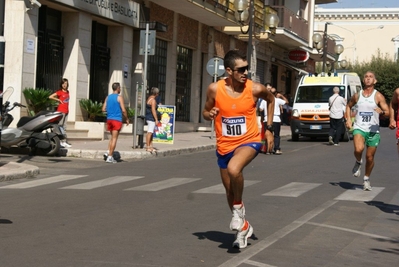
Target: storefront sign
(123,11)
(298,55)
(165,130)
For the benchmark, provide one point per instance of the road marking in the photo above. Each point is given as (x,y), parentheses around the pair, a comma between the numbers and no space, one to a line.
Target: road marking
(292,190)
(172,182)
(252,250)
(103,182)
(358,194)
(219,188)
(50,180)
(351,231)
(257,264)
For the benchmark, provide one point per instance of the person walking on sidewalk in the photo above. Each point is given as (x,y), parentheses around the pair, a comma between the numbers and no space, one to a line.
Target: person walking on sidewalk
(151,117)
(62,96)
(394,110)
(115,108)
(231,103)
(370,105)
(278,103)
(337,110)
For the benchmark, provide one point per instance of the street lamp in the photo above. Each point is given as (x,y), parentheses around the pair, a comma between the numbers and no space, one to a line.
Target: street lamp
(354,60)
(245,12)
(320,43)
(338,49)
(343,63)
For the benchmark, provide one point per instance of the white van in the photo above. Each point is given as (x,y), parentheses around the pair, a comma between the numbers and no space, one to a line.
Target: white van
(310,110)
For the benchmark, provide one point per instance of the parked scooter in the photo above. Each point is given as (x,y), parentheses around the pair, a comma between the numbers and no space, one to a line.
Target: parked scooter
(41,133)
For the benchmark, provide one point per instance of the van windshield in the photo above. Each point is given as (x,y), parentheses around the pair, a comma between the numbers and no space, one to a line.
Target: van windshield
(317,93)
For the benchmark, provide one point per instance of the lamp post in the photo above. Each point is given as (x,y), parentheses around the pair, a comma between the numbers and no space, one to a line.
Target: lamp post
(245,12)
(317,43)
(354,60)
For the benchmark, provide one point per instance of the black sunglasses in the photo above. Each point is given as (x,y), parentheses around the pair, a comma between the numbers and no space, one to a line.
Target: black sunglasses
(242,69)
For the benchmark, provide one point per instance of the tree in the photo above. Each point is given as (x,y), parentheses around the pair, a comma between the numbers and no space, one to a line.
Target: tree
(385,70)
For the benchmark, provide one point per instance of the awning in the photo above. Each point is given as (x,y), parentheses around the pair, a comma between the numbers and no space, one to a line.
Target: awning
(288,65)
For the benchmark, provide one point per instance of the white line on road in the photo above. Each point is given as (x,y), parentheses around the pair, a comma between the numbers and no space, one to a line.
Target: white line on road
(257,264)
(351,231)
(358,194)
(251,251)
(50,180)
(172,182)
(103,182)
(292,190)
(219,188)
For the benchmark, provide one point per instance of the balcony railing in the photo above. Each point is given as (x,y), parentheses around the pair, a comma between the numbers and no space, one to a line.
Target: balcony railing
(293,23)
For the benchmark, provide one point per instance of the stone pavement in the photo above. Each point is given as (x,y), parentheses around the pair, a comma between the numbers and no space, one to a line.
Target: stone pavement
(184,143)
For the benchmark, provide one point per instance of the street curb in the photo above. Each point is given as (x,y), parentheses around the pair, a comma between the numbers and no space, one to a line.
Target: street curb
(12,170)
(138,154)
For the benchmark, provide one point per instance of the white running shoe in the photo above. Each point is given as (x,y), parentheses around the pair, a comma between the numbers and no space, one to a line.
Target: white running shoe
(238,219)
(105,155)
(65,145)
(366,185)
(356,168)
(110,160)
(330,140)
(242,237)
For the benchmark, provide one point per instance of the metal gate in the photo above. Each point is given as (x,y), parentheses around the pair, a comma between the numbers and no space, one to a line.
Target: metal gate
(50,49)
(157,68)
(183,83)
(99,63)
(99,72)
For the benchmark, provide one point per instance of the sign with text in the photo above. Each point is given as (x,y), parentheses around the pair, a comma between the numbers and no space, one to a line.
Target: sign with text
(123,11)
(298,55)
(165,130)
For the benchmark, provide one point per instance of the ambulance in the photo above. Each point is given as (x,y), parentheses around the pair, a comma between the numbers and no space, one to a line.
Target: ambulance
(310,110)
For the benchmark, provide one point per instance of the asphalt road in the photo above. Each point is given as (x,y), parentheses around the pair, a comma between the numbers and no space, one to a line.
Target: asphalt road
(305,206)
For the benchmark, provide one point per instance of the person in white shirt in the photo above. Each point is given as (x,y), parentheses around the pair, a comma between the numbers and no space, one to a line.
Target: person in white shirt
(337,106)
(279,101)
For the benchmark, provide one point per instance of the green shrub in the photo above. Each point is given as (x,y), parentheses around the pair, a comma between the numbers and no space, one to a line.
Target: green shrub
(93,109)
(37,99)
(130,112)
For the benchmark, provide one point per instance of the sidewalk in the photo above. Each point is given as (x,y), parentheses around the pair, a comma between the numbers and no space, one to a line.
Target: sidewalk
(184,143)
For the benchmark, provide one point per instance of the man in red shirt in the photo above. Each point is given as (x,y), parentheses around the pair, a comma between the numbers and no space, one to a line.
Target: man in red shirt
(62,96)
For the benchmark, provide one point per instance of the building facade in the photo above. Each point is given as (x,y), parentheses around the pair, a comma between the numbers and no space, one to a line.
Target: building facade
(94,43)
(364,32)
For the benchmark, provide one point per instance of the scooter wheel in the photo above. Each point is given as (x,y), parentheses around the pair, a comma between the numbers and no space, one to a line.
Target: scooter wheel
(54,149)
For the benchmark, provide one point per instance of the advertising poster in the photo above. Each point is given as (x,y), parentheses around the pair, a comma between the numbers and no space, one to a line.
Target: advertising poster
(165,130)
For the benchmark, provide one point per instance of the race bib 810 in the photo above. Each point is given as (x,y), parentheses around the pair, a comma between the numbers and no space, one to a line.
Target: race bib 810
(234,126)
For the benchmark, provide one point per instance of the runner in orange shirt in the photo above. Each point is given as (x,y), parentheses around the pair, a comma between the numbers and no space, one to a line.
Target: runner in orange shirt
(231,103)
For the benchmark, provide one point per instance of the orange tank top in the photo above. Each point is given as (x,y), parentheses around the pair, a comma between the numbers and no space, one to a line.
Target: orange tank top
(236,122)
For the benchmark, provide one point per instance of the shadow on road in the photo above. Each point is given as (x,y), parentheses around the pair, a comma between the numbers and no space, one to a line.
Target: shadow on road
(225,239)
(388,208)
(346,185)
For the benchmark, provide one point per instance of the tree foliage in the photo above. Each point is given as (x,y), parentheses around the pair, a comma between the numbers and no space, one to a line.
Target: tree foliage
(386,71)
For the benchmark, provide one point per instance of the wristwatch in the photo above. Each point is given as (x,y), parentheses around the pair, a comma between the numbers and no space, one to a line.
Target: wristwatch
(270,128)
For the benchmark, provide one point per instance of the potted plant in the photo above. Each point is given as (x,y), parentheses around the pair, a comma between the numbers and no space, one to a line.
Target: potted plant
(38,100)
(130,113)
(93,109)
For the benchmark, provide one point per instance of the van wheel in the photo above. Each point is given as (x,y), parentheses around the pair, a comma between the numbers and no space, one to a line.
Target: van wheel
(294,137)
